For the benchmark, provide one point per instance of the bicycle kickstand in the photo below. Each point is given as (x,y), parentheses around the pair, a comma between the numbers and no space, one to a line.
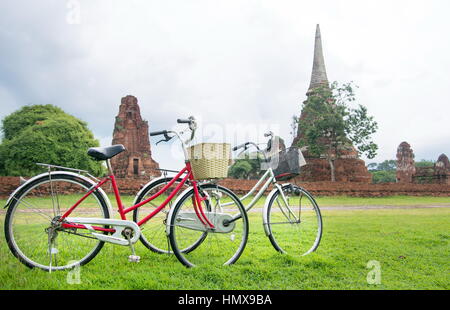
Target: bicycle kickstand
(133,258)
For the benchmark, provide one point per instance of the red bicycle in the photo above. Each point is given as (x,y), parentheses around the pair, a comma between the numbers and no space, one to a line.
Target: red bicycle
(61,219)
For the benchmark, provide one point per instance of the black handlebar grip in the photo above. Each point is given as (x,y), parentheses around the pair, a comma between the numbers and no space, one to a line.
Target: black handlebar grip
(183,121)
(158,133)
(240,146)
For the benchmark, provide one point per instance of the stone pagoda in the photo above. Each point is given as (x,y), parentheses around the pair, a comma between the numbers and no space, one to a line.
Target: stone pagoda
(132,131)
(348,168)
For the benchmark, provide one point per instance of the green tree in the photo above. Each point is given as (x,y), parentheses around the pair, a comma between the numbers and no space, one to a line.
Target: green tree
(240,169)
(387,165)
(385,172)
(28,116)
(425,163)
(383,176)
(247,166)
(330,124)
(47,136)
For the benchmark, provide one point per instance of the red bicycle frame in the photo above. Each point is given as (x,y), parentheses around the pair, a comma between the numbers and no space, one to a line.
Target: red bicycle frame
(197,200)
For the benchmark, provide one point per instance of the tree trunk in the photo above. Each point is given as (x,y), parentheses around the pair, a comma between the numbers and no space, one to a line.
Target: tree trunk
(332,169)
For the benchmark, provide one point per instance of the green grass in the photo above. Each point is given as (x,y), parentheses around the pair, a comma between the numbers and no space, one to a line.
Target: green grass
(412,246)
(383,201)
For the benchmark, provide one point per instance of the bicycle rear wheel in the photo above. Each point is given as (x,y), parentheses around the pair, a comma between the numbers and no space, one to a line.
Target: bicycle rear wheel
(294,228)
(222,245)
(153,233)
(31,224)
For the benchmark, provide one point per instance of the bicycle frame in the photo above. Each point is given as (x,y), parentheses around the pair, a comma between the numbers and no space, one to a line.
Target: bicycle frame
(268,178)
(197,201)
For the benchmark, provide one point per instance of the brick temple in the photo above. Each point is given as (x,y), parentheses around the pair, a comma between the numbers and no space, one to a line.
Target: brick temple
(408,172)
(132,131)
(348,168)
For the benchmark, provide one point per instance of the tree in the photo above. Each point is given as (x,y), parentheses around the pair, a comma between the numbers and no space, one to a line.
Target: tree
(387,165)
(383,176)
(45,134)
(240,169)
(329,124)
(424,163)
(385,172)
(247,166)
(28,116)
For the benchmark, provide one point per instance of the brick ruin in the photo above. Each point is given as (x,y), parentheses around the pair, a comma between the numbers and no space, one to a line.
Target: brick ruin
(132,131)
(408,173)
(406,167)
(348,167)
(130,186)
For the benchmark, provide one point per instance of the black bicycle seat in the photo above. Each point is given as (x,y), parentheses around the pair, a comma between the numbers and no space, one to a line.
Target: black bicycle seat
(104,153)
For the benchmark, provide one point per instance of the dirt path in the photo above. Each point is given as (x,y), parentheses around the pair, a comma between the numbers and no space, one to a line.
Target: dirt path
(381,207)
(323,208)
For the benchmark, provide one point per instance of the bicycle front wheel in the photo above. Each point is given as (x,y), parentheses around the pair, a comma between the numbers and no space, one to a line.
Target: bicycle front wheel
(33,232)
(293,221)
(221,245)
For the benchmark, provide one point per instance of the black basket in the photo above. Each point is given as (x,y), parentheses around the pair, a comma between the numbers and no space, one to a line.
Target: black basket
(288,164)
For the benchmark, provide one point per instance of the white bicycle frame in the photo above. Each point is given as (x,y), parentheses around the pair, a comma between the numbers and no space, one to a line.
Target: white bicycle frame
(268,178)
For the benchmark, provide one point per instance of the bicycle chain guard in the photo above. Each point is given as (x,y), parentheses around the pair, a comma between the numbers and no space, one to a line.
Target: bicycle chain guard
(117,225)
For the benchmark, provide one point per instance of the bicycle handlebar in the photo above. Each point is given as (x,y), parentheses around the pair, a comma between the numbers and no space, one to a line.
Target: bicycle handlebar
(158,133)
(245,145)
(183,121)
(192,126)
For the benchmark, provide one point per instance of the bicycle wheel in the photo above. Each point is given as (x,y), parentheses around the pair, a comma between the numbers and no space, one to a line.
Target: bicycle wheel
(153,233)
(294,228)
(222,245)
(31,224)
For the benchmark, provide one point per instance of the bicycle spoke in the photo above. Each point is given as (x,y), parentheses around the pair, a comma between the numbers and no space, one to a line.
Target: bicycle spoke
(31,207)
(39,241)
(213,246)
(291,234)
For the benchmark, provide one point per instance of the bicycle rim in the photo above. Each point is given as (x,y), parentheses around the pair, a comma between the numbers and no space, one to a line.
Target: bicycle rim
(295,228)
(213,247)
(31,213)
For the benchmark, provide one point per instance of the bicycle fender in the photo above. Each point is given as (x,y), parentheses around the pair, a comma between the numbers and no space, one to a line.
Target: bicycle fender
(8,202)
(265,213)
(102,193)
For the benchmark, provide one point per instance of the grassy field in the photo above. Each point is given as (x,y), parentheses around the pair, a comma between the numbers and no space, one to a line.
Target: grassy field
(411,246)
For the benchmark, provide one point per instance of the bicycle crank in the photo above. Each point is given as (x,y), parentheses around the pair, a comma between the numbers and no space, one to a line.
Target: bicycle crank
(133,232)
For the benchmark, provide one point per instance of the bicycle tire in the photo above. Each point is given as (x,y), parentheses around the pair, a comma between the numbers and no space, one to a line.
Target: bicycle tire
(204,255)
(285,233)
(18,200)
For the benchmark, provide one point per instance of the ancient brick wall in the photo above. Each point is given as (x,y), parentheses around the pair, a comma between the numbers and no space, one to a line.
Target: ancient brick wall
(352,189)
(131,186)
(346,170)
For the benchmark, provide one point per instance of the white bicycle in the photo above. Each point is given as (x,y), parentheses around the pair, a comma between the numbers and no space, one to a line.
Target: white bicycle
(291,217)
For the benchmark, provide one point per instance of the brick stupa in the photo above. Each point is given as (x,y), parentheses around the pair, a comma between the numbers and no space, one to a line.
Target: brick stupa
(348,168)
(406,167)
(132,131)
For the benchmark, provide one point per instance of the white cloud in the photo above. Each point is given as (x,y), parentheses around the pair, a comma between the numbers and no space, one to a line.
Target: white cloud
(231,62)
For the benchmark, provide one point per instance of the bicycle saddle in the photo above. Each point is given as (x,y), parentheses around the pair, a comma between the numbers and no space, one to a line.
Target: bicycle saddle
(104,153)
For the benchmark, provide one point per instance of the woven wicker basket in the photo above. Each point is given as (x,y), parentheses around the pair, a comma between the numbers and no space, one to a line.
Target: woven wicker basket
(210,160)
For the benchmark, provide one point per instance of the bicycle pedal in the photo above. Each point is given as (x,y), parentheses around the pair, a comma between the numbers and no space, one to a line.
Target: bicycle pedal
(134,259)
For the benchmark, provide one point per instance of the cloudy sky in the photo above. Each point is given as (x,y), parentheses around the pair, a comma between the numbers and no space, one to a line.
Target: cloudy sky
(240,66)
